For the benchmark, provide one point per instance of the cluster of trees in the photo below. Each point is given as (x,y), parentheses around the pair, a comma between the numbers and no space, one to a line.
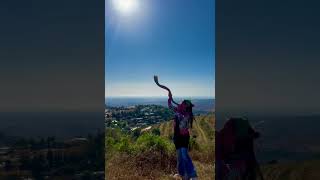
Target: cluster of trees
(164,112)
(126,119)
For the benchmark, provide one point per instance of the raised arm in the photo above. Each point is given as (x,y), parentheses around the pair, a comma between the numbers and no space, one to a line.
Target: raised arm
(170,105)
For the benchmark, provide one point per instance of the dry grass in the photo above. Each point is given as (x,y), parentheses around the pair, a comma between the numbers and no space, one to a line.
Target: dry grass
(147,165)
(139,168)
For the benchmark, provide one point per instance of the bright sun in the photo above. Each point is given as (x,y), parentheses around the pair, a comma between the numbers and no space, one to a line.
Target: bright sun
(125,7)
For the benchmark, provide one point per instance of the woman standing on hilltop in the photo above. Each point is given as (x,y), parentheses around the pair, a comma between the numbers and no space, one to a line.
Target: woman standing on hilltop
(182,121)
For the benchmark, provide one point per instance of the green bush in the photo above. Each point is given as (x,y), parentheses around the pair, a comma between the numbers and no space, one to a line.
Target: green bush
(156,131)
(110,144)
(114,133)
(125,145)
(153,142)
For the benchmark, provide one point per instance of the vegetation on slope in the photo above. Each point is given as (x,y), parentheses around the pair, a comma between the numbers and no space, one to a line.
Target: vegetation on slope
(151,154)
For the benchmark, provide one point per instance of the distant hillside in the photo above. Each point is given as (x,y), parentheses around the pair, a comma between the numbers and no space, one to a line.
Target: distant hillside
(289,139)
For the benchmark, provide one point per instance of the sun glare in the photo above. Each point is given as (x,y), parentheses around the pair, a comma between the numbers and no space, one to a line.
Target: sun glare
(125,7)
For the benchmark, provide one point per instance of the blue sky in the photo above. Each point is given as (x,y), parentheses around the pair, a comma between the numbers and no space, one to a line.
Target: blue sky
(173,39)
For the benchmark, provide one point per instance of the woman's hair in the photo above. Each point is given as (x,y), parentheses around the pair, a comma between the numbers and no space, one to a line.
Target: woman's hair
(189,106)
